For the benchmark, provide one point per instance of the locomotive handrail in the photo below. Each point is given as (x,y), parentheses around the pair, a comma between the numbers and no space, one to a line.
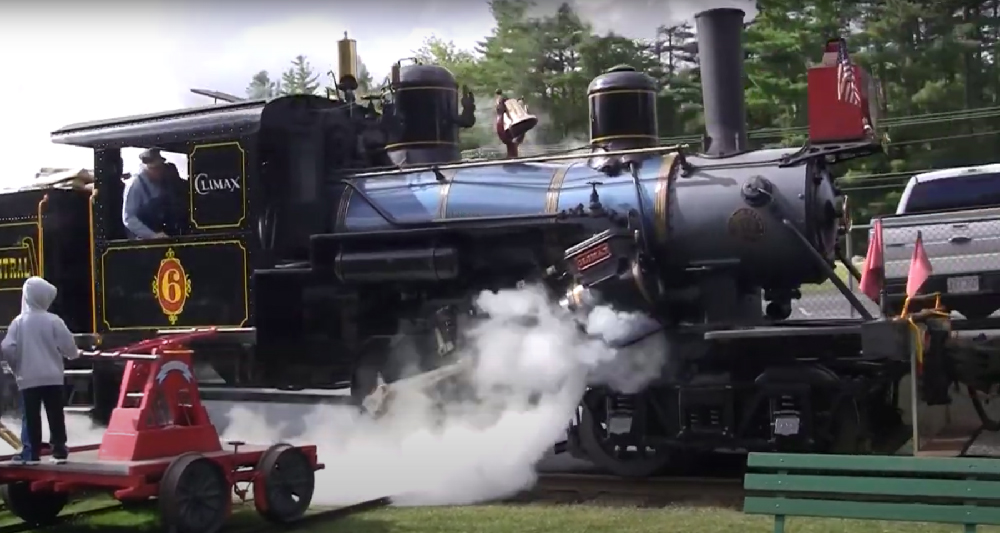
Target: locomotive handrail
(160,344)
(533,159)
(98,354)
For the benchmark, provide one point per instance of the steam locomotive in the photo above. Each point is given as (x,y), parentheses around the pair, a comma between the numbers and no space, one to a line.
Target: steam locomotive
(342,227)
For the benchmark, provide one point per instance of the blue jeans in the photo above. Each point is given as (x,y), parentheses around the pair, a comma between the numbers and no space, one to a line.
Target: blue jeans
(25,439)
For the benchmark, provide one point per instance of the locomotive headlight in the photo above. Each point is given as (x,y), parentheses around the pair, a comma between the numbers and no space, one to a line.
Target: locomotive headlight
(608,268)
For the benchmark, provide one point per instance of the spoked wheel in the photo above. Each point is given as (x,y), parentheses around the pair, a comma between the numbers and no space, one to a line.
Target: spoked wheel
(36,508)
(619,459)
(283,488)
(194,495)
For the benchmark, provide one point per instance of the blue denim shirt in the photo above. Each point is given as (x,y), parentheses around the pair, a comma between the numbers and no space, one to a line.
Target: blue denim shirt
(144,208)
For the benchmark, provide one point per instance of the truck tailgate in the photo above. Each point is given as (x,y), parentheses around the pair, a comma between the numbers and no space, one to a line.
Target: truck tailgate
(957,242)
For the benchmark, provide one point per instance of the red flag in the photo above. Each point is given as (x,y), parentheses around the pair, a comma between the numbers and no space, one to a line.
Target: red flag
(920,268)
(873,271)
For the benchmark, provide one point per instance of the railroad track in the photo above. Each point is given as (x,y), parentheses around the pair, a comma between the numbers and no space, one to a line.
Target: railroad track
(63,520)
(313,518)
(650,492)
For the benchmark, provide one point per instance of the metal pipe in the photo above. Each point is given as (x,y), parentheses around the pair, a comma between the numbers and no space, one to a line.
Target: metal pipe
(831,274)
(855,275)
(121,355)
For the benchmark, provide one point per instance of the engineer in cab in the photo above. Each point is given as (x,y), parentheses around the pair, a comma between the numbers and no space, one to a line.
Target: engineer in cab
(151,209)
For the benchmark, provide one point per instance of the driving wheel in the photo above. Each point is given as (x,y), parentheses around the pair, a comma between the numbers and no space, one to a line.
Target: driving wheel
(618,458)
(194,495)
(36,508)
(284,485)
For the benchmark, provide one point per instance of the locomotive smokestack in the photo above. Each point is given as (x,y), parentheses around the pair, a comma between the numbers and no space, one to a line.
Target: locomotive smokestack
(720,52)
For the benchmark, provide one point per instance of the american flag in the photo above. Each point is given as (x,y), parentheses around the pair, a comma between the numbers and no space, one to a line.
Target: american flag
(847,84)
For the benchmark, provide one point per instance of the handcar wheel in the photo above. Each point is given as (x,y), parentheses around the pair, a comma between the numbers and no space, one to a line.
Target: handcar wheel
(284,485)
(620,462)
(194,495)
(36,508)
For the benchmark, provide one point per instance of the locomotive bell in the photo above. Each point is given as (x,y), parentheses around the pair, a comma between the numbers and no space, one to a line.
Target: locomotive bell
(516,120)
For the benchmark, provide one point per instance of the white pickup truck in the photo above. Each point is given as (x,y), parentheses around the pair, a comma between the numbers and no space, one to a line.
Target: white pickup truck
(957,211)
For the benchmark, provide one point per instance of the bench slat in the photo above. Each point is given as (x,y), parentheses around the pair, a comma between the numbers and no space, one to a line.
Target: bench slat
(881,486)
(880,463)
(902,512)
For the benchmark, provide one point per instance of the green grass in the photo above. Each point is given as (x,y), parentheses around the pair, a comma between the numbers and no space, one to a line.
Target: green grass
(541,519)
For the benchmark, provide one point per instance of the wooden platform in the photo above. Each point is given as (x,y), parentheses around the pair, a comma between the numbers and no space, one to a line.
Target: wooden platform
(83,460)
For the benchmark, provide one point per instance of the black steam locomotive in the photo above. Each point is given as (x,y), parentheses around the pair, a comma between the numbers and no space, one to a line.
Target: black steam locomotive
(320,229)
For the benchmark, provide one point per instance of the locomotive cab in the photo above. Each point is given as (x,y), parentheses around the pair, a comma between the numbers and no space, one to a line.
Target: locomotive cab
(256,186)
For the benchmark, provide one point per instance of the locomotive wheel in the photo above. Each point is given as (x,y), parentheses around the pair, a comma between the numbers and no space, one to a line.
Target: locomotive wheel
(620,462)
(284,486)
(36,508)
(194,495)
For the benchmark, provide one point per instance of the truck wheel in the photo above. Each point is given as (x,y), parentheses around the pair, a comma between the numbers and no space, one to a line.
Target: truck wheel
(613,458)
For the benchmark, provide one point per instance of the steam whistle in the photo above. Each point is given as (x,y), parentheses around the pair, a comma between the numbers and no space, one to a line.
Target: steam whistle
(513,122)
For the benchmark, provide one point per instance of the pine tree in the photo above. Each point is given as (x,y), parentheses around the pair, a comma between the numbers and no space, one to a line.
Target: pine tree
(300,78)
(262,87)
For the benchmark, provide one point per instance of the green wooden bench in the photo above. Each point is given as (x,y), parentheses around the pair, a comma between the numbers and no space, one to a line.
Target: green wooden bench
(909,489)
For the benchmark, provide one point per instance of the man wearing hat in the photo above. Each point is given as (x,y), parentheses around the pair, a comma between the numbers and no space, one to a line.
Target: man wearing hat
(148,209)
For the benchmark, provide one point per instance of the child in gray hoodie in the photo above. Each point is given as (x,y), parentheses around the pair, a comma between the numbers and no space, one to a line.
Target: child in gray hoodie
(37,341)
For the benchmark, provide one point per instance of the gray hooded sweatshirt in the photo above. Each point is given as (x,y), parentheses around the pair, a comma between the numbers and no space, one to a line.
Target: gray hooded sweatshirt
(37,341)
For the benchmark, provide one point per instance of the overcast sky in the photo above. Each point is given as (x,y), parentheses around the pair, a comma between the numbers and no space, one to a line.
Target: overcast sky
(65,62)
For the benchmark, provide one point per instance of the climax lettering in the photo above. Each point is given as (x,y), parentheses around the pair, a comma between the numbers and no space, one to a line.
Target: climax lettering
(203,184)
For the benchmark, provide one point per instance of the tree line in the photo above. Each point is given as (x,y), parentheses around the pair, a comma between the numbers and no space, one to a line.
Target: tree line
(936,61)
(300,78)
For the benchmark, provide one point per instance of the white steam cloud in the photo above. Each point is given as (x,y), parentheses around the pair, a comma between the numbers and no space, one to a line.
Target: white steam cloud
(80,431)
(531,364)
(639,19)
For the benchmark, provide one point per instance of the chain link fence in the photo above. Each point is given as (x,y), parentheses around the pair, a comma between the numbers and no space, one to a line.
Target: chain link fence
(952,280)
(825,302)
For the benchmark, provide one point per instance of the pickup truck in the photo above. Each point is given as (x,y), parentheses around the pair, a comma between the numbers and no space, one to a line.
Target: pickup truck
(957,211)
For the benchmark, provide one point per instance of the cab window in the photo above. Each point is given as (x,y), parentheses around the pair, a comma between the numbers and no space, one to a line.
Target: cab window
(131,166)
(959,192)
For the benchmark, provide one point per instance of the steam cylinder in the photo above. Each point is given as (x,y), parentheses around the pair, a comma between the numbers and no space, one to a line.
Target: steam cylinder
(426,100)
(622,105)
